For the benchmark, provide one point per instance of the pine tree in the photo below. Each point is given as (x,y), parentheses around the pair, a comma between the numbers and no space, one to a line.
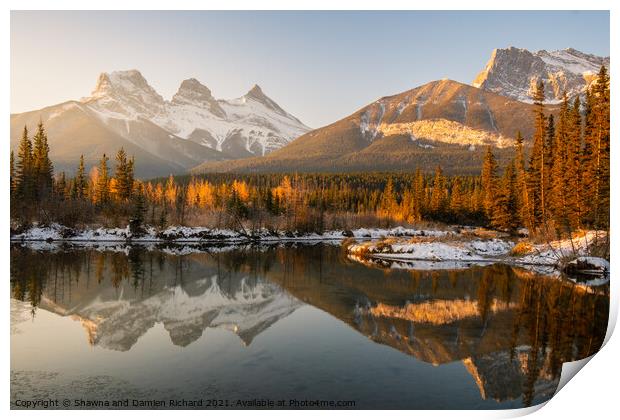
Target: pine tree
(102,194)
(80,183)
(136,222)
(549,154)
(601,143)
(572,168)
(418,195)
(43,172)
(489,182)
(523,197)
(388,200)
(24,183)
(12,177)
(60,188)
(588,159)
(537,176)
(123,176)
(559,174)
(505,211)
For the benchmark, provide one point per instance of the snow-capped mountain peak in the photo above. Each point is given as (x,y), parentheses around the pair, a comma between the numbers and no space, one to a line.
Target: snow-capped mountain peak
(514,72)
(192,89)
(192,92)
(251,125)
(125,94)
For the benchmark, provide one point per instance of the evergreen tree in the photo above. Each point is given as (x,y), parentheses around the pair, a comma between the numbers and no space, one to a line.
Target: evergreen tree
(80,183)
(102,189)
(572,168)
(388,199)
(60,188)
(24,183)
(418,195)
(548,162)
(505,211)
(12,177)
(42,165)
(136,222)
(588,159)
(523,198)
(123,176)
(537,176)
(489,182)
(559,175)
(601,143)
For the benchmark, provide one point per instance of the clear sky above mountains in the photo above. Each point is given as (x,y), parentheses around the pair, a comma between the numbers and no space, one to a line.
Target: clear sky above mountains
(319,66)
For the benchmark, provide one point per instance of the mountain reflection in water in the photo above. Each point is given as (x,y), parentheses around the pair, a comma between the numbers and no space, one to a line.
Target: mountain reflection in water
(510,328)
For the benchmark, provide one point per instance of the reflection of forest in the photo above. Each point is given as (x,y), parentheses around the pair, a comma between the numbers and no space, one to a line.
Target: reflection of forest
(512,329)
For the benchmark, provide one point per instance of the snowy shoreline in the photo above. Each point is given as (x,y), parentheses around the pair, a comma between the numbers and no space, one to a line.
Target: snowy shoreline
(397,247)
(569,256)
(202,235)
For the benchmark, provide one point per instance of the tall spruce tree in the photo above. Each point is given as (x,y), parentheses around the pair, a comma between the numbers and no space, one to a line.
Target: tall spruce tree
(80,183)
(572,168)
(12,176)
(123,176)
(537,176)
(601,140)
(489,182)
(505,210)
(43,172)
(102,194)
(523,197)
(24,183)
(559,176)
(60,187)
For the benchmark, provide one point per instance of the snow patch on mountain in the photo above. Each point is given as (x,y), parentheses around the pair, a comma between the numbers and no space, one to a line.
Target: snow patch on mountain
(445,131)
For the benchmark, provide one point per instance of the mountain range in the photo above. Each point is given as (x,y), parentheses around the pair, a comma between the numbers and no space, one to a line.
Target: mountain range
(442,122)
(164,136)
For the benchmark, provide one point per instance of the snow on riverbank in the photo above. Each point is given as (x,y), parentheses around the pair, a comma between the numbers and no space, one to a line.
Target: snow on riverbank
(397,247)
(474,250)
(183,234)
(551,253)
(462,250)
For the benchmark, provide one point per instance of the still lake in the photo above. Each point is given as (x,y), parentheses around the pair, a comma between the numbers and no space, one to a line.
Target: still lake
(290,322)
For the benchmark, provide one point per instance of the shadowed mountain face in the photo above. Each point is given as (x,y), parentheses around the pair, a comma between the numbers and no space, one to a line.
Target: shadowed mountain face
(164,136)
(442,122)
(511,330)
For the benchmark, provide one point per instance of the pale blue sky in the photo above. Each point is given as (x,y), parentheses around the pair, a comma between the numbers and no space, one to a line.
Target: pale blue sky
(320,66)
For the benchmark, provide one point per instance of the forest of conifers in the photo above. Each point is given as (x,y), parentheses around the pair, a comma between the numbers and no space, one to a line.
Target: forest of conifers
(561,186)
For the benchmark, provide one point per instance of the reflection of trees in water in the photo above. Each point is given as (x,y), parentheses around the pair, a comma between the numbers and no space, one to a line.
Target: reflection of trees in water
(34,273)
(55,274)
(561,323)
(537,322)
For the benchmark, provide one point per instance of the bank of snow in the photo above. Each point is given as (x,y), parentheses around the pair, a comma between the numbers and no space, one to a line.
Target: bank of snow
(570,256)
(183,234)
(454,250)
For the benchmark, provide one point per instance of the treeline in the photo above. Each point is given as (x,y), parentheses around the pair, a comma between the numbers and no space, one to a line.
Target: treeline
(562,186)
(565,184)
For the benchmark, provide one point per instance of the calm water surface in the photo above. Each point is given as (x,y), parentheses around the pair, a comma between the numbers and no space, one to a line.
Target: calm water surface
(297,322)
